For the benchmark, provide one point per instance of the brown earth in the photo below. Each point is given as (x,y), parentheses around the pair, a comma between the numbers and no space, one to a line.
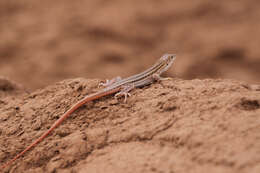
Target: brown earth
(209,125)
(173,126)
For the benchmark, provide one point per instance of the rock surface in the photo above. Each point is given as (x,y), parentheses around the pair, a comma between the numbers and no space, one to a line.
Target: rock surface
(177,126)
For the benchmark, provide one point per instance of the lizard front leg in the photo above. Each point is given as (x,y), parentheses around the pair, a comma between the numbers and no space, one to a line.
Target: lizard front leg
(157,77)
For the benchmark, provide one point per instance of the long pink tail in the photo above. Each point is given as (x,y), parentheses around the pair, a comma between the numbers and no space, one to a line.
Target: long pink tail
(61,119)
(57,123)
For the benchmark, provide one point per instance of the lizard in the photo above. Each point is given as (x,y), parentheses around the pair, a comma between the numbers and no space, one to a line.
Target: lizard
(117,86)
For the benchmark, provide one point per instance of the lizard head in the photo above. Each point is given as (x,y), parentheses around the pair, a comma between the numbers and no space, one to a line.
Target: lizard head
(166,60)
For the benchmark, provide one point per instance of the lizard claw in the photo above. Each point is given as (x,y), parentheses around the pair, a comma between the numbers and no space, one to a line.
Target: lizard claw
(125,94)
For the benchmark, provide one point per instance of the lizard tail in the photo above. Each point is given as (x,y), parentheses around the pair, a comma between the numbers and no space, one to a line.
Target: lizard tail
(61,119)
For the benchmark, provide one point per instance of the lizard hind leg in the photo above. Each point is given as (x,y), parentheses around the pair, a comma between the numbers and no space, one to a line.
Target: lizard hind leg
(125,92)
(110,82)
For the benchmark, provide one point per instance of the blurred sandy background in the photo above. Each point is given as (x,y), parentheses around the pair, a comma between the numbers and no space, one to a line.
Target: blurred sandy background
(42,42)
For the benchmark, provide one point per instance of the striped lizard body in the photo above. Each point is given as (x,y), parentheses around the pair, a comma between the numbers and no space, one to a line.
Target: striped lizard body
(121,87)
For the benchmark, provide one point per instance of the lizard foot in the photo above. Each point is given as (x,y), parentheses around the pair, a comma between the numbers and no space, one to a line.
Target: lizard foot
(125,94)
